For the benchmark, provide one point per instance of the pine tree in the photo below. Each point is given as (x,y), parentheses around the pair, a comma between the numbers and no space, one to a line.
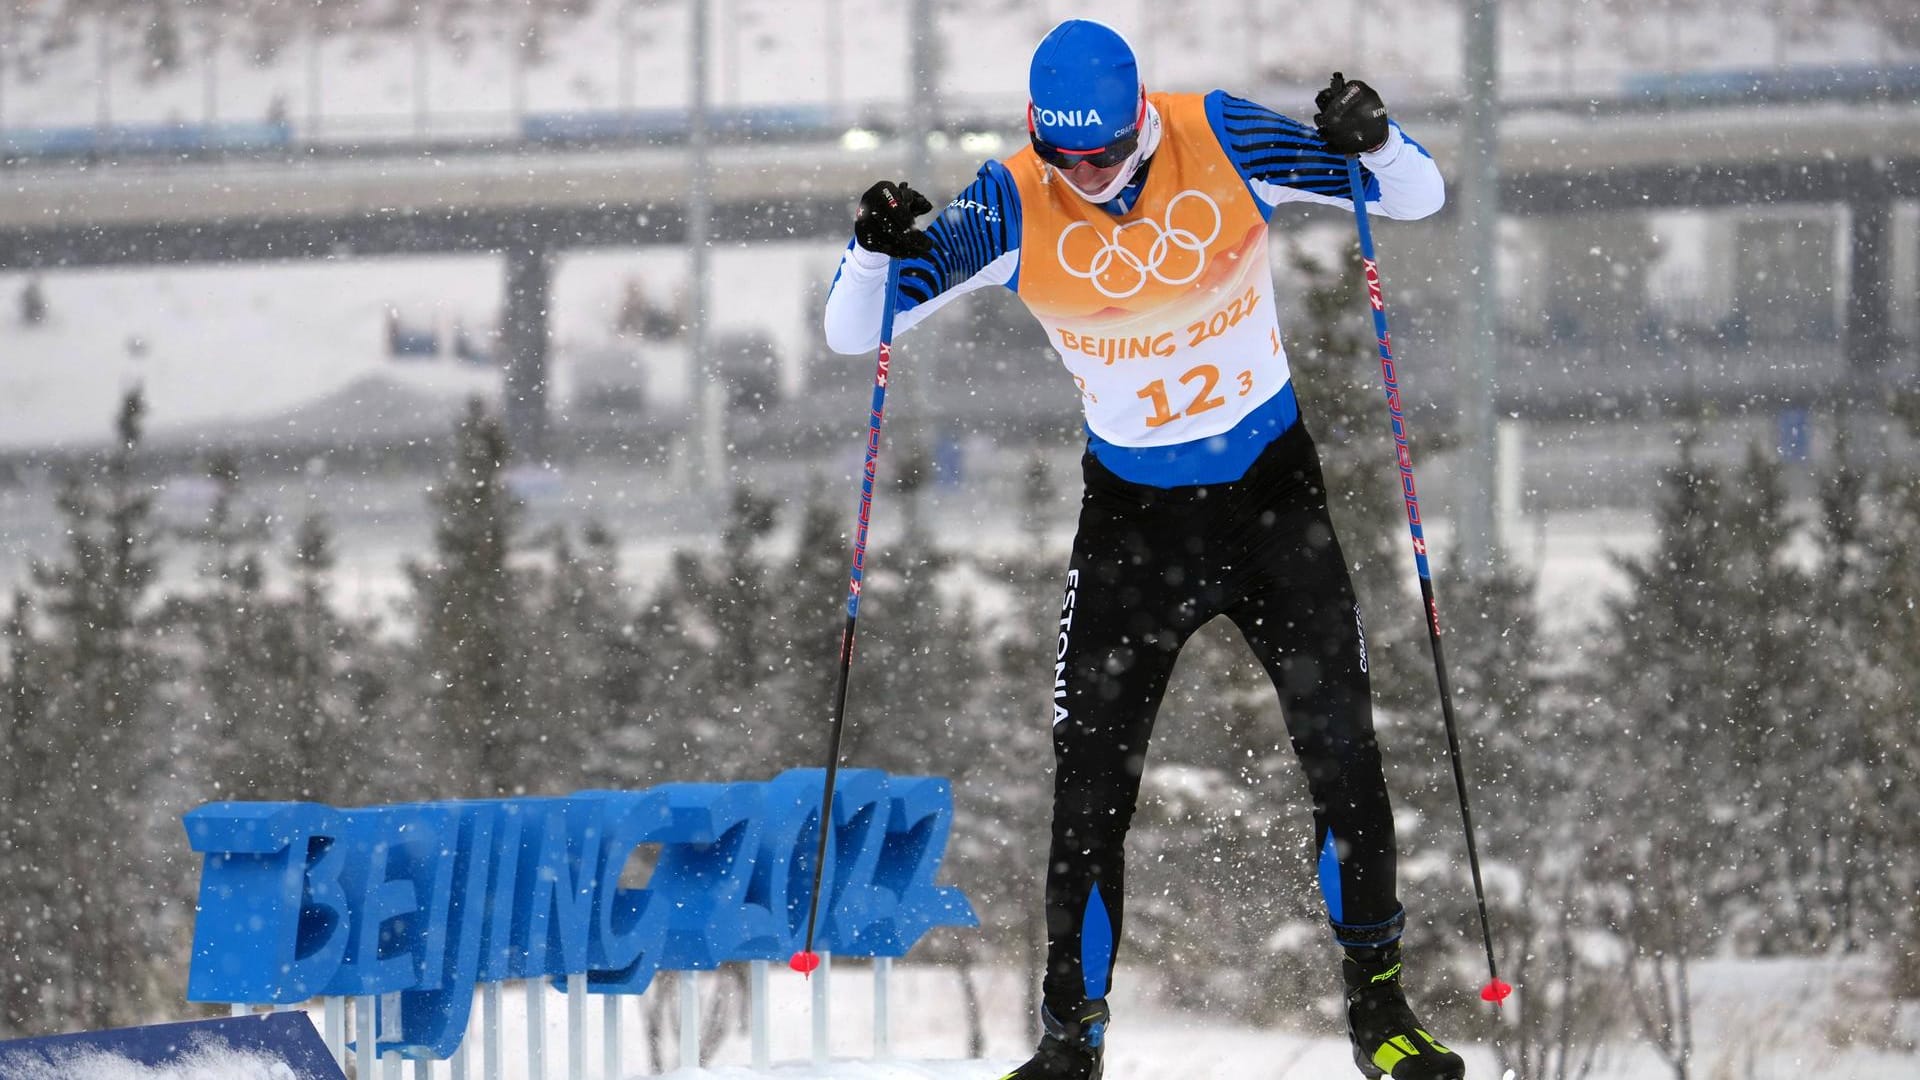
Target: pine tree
(229,685)
(29,829)
(1879,870)
(809,612)
(1831,846)
(580,657)
(330,684)
(671,686)
(469,604)
(736,724)
(1533,810)
(100,748)
(1699,686)
(709,692)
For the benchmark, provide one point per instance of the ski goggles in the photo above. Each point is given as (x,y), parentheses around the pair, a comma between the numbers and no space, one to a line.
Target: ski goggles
(1100,157)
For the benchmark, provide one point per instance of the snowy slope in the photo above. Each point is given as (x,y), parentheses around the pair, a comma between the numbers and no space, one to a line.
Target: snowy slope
(200,1064)
(862,1070)
(1758,1020)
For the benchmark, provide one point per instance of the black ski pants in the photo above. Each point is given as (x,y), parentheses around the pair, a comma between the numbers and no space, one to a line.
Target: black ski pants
(1151,565)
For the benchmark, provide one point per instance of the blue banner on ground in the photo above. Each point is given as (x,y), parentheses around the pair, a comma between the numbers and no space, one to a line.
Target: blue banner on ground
(280,1045)
(427,900)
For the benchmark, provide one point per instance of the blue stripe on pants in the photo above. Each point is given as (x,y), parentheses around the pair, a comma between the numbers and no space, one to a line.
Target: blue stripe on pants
(1096,947)
(1330,879)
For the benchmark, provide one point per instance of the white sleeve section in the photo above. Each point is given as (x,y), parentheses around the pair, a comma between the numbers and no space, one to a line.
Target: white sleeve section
(854,302)
(858,298)
(1410,184)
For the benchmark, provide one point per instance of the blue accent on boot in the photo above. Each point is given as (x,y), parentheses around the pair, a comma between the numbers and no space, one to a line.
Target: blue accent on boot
(1096,947)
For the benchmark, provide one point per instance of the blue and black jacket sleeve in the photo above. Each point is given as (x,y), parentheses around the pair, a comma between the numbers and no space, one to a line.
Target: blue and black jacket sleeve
(976,242)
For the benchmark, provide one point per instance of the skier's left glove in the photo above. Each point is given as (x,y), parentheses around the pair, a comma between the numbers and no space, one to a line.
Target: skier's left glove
(1352,118)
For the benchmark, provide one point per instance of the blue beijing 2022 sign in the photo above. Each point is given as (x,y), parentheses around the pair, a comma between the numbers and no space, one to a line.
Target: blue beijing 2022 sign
(426,900)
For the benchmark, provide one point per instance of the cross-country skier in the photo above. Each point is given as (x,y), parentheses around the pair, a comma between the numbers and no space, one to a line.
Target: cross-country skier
(1134,227)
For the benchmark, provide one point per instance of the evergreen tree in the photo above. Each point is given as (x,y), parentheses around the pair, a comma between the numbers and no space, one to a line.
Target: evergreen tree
(581,657)
(331,683)
(1710,671)
(736,728)
(1534,811)
(1877,865)
(469,600)
(810,615)
(29,828)
(814,607)
(667,684)
(228,697)
(1225,824)
(279,691)
(99,747)
(1700,684)
(718,656)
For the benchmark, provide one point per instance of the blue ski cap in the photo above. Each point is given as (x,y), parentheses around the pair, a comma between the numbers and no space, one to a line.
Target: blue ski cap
(1084,87)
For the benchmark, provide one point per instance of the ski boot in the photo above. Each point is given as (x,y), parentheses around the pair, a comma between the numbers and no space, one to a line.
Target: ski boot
(1069,1049)
(1387,1039)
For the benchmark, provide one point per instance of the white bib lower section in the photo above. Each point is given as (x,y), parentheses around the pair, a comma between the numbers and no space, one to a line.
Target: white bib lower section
(1177,372)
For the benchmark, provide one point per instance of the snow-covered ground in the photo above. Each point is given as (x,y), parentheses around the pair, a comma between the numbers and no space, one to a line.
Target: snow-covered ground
(200,1064)
(1756,1020)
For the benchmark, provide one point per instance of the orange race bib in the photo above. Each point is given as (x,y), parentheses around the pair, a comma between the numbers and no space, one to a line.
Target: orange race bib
(1164,315)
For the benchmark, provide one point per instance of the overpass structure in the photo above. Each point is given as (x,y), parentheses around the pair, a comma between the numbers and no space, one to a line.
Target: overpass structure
(532,201)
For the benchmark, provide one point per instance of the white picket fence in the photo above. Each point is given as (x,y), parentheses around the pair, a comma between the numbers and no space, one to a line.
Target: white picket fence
(350,1028)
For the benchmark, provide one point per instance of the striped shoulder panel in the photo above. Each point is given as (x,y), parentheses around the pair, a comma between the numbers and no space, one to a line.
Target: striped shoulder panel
(1280,150)
(981,224)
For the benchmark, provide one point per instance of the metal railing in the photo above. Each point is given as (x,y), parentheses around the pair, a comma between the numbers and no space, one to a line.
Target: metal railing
(352,1027)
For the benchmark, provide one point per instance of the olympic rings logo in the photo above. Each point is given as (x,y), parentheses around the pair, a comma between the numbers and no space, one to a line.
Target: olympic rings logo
(1167,237)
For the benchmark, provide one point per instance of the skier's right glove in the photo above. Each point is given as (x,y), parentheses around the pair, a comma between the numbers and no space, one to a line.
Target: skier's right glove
(1352,118)
(884,222)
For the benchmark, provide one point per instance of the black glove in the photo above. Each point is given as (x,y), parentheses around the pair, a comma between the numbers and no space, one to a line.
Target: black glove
(884,222)
(1352,118)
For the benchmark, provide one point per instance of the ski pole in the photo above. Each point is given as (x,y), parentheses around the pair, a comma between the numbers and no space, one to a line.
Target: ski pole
(1495,991)
(806,960)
